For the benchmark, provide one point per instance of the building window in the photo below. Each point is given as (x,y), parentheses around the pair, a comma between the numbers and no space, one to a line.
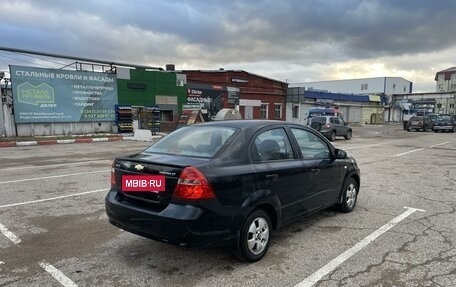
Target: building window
(264,111)
(394,87)
(364,87)
(295,112)
(453,87)
(278,111)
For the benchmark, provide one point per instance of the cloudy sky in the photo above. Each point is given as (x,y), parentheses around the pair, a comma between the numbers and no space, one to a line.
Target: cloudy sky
(294,41)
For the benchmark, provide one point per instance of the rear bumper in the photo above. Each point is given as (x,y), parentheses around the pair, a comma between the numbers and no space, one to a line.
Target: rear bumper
(177,224)
(443,128)
(326,133)
(413,127)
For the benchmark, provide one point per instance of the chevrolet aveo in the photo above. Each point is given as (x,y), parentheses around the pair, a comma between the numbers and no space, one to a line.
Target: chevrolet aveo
(229,183)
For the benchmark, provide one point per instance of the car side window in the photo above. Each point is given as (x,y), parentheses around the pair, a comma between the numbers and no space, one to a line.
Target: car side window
(336,121)
(272,145)
(312,147)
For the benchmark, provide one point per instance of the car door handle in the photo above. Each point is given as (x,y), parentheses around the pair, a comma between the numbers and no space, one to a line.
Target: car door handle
(272,178)
(315,170)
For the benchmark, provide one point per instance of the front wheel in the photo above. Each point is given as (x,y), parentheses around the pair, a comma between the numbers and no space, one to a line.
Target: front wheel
(255,236)
(348,135)
(349,196)
(332,137)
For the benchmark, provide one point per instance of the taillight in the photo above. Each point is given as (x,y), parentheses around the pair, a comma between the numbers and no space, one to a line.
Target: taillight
(113,176)
(328,126)
(192,184)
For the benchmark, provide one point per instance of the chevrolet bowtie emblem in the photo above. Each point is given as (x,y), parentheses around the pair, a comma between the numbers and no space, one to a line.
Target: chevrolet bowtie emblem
(139,167)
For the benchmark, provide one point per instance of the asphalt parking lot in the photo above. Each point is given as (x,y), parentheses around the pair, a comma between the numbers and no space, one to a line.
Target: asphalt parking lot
(54,230)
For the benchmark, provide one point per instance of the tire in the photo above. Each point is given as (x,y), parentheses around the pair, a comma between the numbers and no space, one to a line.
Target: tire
(332,137)
(408,130)
(349,196)
(348,136)
(435,131)
(424,129)
(255,236)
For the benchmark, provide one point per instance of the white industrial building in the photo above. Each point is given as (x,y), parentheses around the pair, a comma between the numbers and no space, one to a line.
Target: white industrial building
(446,80)
(384,87)
(379,85)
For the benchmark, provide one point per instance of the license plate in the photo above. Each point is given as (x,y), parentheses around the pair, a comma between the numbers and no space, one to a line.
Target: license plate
(143,183)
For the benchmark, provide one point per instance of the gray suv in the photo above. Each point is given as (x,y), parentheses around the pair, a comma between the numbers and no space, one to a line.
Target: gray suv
(331,126)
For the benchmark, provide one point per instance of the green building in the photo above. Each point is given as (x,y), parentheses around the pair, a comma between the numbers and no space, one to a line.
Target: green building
(141,88)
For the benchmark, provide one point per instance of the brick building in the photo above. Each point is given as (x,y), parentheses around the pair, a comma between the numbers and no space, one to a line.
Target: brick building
(259,97)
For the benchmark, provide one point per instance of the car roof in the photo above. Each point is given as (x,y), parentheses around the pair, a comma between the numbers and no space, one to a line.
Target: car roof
(242,124)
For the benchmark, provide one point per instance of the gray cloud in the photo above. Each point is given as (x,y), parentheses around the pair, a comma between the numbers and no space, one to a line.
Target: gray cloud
(307,39)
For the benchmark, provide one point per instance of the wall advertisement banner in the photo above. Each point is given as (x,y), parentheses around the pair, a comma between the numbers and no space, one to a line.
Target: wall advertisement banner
(50,95)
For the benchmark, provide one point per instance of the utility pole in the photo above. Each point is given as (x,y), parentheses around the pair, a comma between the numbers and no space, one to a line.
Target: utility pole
(3,87)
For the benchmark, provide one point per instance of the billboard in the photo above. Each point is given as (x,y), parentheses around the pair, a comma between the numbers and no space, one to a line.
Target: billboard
(50,95)
(211,98)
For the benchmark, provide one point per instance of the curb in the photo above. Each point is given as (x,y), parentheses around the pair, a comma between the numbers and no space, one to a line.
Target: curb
(67,141)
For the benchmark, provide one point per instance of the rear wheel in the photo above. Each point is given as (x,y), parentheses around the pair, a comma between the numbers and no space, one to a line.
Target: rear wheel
(349,195)
(332,137)
(255,236)
(348,135)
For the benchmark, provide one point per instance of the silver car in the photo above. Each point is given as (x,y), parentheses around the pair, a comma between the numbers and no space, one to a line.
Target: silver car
(332,126)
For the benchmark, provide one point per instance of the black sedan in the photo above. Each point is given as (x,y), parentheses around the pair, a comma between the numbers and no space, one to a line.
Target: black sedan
(229,183)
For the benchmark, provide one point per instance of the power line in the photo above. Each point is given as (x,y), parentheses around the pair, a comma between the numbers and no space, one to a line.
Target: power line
(14,50)
(44,59)
(21,60)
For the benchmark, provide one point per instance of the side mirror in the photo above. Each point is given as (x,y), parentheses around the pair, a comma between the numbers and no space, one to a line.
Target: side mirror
(340,154)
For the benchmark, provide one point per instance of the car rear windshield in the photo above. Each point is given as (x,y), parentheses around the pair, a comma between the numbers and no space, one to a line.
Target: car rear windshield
(416,118)
(195,141)
(321,120)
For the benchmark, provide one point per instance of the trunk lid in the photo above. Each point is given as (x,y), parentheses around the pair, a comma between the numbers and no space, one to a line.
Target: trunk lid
(145,164)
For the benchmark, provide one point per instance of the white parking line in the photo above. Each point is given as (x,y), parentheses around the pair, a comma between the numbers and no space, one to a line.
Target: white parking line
(370,145)
(410,151)
(52,198)
(336,262)
(57,274)
(52,176)
(11,236)
(54,165)
(436,145)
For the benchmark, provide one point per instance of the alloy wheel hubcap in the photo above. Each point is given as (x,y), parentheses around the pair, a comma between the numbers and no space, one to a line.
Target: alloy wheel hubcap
(258,235)
(351,195)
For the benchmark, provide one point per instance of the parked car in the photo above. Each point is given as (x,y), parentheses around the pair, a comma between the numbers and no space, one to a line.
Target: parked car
(332,126)
(419,123)
(432,118)
(445,122)
(229,183)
